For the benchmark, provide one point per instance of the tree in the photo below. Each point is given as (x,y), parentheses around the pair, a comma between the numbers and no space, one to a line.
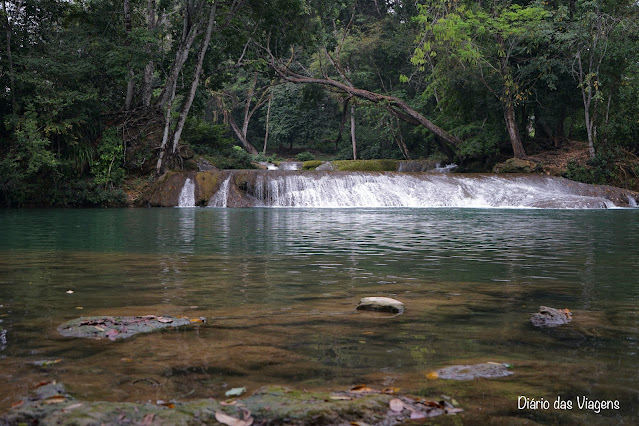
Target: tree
(489,43)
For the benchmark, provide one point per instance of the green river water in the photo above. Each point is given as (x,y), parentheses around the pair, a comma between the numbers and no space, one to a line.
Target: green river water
(279,287)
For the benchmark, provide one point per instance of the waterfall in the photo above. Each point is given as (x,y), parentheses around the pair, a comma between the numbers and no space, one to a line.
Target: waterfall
(632,202)
(291,165)
(220,199)
(335,189)
(187,195)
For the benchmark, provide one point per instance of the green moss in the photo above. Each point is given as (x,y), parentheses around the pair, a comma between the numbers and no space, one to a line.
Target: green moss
(311,165)
(366,165)
(207,183)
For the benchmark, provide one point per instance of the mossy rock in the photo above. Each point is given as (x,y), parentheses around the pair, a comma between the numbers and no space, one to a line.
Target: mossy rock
(116,328)
(273,405)
(206,185)
(517,165)
(366,165)
(311,165)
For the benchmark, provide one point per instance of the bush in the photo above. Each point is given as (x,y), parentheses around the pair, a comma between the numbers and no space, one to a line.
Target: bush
(237,159)
(305,156)
(107,169)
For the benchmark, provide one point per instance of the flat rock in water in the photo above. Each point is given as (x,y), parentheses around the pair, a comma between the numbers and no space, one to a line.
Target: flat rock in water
(551,317)
(381,304)
(115,328)
(488,370)
(51,404)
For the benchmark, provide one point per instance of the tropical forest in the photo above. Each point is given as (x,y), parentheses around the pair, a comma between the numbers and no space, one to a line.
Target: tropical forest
(319,212)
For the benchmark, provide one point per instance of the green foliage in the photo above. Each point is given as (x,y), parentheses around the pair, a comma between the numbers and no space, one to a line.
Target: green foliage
(107,169)
(238,158)
(305,156)
(206,138)
(599,170)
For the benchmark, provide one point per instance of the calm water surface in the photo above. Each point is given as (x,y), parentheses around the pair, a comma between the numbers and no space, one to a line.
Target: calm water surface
(279,286)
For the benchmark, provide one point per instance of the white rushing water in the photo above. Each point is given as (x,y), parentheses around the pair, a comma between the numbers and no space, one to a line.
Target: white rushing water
(187,195)
(220,199)
(413,190)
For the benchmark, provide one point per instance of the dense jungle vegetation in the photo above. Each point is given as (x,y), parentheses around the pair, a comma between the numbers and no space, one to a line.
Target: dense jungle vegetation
(102,96)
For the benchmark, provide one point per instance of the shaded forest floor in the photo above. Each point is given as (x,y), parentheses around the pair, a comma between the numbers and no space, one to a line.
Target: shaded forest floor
(556,161)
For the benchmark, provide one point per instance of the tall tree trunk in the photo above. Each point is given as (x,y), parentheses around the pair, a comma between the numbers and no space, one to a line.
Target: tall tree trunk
(587,90)
(513,130)
(397,135)
(165,137)
(190,30)
(147,88)
(196,78)
(353,140)
(268,116)
(342,122)
(12,84)
(238,132)
(130,85)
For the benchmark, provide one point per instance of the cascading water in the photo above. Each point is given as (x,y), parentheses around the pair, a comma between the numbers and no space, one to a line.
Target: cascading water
(220,199)
(632,202)
(187,195)
(392,189)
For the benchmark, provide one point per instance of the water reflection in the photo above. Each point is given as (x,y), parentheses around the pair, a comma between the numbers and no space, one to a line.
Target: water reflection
(279,287)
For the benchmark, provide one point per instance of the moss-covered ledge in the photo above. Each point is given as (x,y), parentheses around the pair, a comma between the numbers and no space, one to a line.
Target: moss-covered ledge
(273,405)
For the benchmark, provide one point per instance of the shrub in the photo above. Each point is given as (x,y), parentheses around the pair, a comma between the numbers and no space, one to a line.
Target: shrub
(305,156)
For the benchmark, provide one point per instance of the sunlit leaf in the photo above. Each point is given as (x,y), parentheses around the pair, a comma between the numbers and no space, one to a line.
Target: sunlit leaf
(432,375)
(363,389)
(338,397)
(69,291)
(73,406)
(390,391)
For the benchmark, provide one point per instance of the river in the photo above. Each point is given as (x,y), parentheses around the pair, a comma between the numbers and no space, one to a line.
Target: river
(278,288)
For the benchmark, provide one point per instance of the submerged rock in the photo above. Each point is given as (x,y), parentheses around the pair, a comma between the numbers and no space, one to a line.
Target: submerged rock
(119,327)
(551,317)
(51,404)
(487,370)
(381,304)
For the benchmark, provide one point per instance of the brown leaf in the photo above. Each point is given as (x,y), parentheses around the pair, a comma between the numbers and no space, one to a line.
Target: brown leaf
(232,421)
(44,383)
(164,320)
(17,404)
(112,334)
(390,391)
(147,420)
(363,389)
(396,405)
